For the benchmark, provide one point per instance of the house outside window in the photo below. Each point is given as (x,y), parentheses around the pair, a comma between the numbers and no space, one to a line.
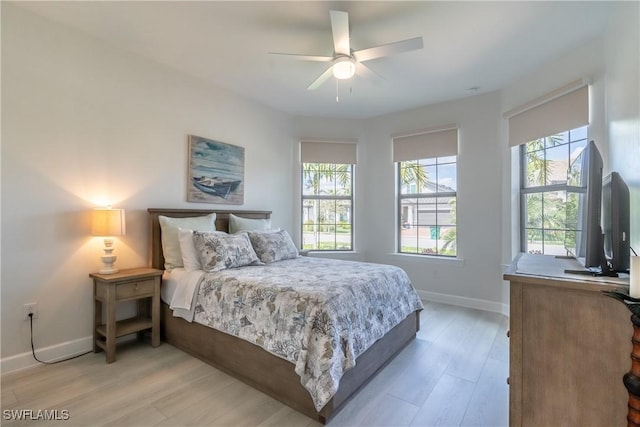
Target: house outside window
(427,191)
(327,178)
(545,199)
(427,206)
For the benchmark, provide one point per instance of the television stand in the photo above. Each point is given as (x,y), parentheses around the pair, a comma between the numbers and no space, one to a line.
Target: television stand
(603,270)
(593,271)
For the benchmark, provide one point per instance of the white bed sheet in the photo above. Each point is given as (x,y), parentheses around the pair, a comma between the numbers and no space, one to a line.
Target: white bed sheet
(179,288)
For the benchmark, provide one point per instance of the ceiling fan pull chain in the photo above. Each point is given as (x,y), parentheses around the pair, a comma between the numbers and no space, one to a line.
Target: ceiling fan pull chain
(337,90)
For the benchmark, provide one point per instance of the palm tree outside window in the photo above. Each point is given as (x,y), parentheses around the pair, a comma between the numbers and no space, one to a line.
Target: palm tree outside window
(545,202)
(427,206)
(327,207)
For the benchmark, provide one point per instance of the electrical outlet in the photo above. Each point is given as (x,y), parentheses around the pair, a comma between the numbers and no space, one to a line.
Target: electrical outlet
(31,308)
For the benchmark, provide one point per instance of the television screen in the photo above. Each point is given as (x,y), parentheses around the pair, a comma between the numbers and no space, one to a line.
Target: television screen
(616,222)
(583,208)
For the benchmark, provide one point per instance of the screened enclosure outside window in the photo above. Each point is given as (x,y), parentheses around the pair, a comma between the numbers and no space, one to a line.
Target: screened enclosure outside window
(427,206)
(327,207)
(545,201)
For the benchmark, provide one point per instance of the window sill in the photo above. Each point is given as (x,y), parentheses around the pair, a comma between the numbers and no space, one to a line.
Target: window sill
(349,255)
(429,259)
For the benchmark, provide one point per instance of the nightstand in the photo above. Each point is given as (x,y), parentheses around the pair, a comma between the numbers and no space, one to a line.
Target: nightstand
(136,284)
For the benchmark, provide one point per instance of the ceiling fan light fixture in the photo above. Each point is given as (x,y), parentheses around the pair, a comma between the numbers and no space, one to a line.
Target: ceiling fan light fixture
(344,68)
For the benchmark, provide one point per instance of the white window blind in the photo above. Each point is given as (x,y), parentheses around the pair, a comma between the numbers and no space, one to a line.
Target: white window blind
(426,144)
(562,109)
(328,152)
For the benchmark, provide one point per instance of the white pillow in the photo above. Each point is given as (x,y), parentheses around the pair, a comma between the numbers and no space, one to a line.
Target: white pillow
(190,259)
(170,242)
(237,223)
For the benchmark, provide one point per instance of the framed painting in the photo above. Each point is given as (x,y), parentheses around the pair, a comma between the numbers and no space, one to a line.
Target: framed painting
(216,172)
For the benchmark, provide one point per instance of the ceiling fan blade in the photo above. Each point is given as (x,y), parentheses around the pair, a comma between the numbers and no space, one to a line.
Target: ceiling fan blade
(315,58)
(364,71)
(340,29)
(323,77)
(388,49)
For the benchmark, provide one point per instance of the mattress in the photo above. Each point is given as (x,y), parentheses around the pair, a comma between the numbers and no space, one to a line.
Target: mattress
(319,314)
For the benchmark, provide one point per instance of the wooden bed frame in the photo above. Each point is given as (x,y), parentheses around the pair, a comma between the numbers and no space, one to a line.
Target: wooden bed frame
(255,366)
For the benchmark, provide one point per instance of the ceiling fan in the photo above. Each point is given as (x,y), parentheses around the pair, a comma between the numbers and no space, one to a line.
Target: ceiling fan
(345,62)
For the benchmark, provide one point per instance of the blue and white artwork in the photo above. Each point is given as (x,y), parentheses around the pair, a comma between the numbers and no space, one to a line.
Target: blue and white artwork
(216,172)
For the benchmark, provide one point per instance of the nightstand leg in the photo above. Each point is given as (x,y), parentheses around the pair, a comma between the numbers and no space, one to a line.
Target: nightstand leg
(155,314)
(97,321)
(111,324)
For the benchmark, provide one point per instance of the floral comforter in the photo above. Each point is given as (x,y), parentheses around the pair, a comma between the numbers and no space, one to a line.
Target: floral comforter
(319,314)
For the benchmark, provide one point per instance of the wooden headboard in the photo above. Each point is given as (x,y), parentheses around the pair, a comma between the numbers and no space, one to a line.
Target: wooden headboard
(222,224)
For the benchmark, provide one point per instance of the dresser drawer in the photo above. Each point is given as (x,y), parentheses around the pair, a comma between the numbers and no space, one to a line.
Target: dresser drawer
(135,289)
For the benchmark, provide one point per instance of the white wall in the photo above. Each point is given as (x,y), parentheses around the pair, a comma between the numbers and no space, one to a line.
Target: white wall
(474,278)
(584,62)
(83,124)
(622,52)
(611,63)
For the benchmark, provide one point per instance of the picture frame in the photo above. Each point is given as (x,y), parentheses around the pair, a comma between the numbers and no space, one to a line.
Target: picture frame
(216,172)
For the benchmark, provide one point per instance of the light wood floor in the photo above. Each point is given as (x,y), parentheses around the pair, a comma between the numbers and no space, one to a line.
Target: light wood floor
(453,374)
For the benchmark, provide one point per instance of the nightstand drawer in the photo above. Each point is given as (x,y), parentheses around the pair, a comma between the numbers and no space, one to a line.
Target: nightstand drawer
(134,289)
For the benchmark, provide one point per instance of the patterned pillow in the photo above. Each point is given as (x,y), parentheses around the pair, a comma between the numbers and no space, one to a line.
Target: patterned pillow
(218,250)
(272,246)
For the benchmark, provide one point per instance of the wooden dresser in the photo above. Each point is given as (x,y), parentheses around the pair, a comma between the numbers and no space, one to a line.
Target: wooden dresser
(569,346)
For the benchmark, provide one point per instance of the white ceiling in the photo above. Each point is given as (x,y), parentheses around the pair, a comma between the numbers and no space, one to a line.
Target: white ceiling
(486,45)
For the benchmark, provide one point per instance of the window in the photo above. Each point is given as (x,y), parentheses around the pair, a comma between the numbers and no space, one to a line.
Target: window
(427,193)
(543,191)
(327,204)
(546,149)
(327,195)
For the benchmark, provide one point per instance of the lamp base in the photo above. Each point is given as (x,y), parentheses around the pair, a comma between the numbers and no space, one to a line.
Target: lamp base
(108,261)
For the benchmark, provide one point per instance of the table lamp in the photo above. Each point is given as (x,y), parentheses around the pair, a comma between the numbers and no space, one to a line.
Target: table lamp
(108,223)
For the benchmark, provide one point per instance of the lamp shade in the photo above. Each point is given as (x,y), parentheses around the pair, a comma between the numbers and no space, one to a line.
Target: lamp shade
(108,222)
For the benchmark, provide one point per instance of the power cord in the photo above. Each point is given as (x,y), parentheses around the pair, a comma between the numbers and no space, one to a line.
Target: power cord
(33,351)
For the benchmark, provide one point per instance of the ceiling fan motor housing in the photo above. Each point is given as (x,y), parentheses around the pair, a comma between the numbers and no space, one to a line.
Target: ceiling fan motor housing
(344,67)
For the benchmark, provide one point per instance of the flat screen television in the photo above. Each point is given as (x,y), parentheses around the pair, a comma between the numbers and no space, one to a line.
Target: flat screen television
(616,222)
(583,239)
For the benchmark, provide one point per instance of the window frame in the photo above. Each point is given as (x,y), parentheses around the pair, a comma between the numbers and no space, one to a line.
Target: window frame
(437,195)
(336,198)
(543,189)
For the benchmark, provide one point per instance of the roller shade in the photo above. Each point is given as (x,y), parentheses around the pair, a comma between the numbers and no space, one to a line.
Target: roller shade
(328,152)
(426,144)
(549,115)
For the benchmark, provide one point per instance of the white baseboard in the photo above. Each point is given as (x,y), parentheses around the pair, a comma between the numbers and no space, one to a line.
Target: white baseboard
(478,304)
(49,354)
(82,345)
